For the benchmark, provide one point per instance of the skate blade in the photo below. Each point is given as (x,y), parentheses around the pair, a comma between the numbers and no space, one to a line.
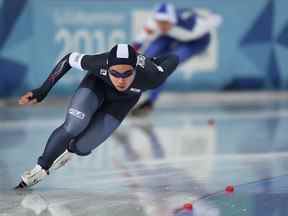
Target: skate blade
(21,185)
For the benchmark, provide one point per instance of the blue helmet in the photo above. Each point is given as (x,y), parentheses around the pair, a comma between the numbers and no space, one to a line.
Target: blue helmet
(165,12)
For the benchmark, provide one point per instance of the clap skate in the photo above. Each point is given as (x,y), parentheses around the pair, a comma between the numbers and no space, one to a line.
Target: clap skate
(35,175)
(61,160)
(32,177)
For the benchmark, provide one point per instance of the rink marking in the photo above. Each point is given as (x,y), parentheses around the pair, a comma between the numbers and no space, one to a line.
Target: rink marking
(235,157)
(44,123)
(132,166)
(174,161)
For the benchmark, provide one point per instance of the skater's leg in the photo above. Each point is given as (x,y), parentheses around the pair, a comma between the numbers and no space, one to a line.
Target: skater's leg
(184,51)
(83,105)
(148,104)
(189,49)
(159,46)
(102,126)
(154,94)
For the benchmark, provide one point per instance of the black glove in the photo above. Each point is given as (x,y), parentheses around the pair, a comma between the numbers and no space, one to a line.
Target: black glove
(39,94)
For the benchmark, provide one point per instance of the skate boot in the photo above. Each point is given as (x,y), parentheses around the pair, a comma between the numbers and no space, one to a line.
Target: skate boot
(32,177)
(61,160)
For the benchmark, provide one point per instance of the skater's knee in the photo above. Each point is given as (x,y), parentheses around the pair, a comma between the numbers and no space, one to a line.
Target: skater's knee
(75,127)
(79,153)
(74,149)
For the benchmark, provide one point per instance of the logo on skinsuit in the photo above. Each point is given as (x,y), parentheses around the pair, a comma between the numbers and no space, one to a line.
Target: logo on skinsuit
(160,68)
(141,61)
(135,90)
(103,72)
(76,113)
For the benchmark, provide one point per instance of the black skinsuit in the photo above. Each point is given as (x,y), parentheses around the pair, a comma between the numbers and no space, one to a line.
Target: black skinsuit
(97,108)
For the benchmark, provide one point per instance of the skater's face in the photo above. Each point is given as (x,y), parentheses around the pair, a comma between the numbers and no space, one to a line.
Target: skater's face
(164,26)
(121,76)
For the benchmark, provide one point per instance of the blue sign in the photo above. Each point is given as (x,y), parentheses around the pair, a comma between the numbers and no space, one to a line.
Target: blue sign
(241,55)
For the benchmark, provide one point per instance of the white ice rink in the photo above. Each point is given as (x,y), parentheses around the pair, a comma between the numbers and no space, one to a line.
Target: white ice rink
(187,151)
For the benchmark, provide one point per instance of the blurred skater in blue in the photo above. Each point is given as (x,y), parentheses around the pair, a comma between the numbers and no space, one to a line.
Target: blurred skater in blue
(184,32)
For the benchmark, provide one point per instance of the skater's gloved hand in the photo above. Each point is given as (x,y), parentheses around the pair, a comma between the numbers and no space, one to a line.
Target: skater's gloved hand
(40,93)
(32,97)
(27,99)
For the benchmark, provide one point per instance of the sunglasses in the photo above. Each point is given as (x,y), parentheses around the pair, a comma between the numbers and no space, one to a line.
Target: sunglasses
(123,75)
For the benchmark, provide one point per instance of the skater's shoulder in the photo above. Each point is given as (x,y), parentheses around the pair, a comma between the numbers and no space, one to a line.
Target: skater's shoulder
(141,61)
(186,18)
(100,58)
(95,61)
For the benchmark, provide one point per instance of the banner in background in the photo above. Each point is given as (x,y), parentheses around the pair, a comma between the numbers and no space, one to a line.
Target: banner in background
(247,52)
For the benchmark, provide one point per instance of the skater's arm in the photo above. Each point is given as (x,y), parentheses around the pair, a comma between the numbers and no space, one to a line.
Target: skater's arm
(148,33)
(38,94)
(160,68)
(203,25)
(72,60)
(87,62)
